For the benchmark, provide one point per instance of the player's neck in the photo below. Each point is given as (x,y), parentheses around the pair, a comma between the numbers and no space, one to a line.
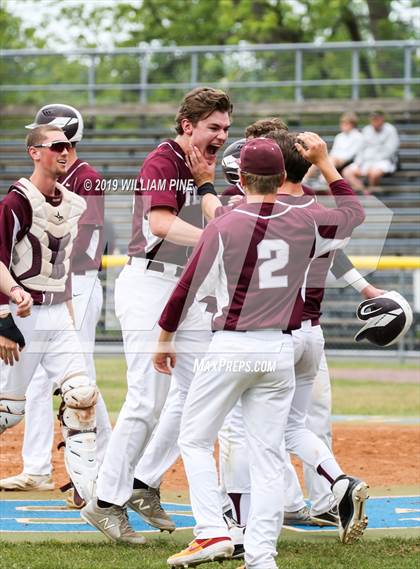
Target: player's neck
(292,189)
(44,182)
(183,141)
(71,158)
(261,198)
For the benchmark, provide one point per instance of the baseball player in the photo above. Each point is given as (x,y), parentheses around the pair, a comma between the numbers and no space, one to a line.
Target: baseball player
(319,413)
(83,180)
(38,226)
(308,341)
(158,250)
(234,258)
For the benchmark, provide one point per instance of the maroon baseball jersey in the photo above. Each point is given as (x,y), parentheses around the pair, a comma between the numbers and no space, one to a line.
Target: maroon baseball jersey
(163,181)
(315,284)
(88,247)
(254,259)
(15,222)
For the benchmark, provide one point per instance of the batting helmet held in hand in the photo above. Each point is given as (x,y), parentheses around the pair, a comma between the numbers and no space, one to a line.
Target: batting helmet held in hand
(388,318)
(230,161)
(67,118)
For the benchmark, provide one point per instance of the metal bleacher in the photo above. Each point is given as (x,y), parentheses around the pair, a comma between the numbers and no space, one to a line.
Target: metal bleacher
(118,155)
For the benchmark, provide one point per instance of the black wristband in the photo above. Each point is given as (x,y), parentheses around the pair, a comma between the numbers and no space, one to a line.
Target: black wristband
(206,188)
(9,330)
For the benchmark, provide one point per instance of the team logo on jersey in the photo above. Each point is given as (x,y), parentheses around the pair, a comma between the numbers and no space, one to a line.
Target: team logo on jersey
(59,217)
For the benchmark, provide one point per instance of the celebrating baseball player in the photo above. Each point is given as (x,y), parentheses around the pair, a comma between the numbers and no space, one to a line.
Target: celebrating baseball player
(83,180)
(158,250)
(233,449)
(38,226)
(234,258)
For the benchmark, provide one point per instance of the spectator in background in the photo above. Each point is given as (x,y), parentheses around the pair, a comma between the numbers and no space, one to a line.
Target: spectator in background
(346,146)
(377,155)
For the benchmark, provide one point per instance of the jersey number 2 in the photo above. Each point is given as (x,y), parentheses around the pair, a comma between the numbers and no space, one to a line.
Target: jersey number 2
(266,269)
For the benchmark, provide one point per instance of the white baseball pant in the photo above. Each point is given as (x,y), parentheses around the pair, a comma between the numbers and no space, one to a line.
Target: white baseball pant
(39,418)
(140,296)
(50,340)
(265,397)
(309,356)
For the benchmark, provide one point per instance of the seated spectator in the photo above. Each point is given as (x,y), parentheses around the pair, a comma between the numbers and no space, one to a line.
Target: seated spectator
(346,145)
(377,155)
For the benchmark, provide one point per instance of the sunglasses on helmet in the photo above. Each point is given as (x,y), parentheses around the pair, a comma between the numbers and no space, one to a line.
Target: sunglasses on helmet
(57,146)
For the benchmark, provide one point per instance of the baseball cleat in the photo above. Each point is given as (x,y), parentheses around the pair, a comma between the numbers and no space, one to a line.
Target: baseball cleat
(236,533)
(112,522)
(351,495)
(147,504)
(203,551)
(328,518)
(73,499)
(301,517)
(25,482)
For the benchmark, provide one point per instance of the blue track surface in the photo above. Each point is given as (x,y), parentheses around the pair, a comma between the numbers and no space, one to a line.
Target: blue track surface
(397,512)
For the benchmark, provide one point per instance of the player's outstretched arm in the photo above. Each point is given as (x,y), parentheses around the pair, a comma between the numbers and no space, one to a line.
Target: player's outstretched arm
(343,268)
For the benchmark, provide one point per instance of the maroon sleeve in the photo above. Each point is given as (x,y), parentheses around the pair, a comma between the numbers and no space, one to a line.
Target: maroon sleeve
(15,219)
(154,183)
(338,223)
(192,277)
(88,185)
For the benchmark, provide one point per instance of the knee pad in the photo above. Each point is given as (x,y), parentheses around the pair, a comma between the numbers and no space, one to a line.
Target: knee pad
(78,421)
(12,412)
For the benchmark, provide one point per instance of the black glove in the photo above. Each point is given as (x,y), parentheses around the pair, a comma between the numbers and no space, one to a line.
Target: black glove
(9,330)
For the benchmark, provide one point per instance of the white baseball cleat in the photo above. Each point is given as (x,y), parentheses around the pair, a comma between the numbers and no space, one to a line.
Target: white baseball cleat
(203,551)
(25,482)
(112,522)
(351,495)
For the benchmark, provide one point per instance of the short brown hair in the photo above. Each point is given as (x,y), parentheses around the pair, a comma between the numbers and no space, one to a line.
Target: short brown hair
(38,134)
(350,117)
(296,166)
(263,126)
(262,184)
(200,103)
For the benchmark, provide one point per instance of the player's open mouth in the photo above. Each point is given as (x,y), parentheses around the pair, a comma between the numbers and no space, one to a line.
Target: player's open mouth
(212,149)
(64,162)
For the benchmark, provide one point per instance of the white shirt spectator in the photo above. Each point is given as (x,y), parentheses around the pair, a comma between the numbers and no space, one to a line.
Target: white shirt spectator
(379,148)
(346,145)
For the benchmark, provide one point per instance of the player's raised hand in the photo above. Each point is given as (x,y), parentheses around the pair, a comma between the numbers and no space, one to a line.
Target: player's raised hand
(23,300)
(234,200)
(201,170)
(311,147)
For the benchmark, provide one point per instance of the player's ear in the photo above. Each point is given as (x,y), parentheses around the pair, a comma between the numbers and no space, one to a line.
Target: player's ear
(34,153)
(187,126)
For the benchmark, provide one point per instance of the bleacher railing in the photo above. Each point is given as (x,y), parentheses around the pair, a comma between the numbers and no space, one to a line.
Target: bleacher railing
(292,71)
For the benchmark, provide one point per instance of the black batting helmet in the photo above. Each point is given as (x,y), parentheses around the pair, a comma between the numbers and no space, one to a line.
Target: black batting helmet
(66,117)
(230,161)
(388,317)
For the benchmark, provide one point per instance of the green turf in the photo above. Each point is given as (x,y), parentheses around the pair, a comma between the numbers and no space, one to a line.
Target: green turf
(350,397)
(388,553)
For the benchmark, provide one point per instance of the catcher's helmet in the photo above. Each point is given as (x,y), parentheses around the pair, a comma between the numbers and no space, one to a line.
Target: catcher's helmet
(388,318)
(66,117)
(230,161)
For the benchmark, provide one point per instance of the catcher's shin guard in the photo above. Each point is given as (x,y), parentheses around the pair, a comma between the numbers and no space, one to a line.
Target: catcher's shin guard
(12,412)
(78,422)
